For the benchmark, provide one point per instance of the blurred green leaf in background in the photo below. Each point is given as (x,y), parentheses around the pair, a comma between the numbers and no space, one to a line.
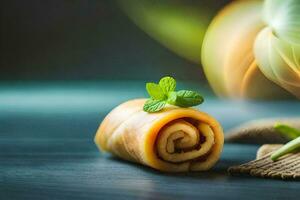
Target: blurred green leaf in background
(178,25)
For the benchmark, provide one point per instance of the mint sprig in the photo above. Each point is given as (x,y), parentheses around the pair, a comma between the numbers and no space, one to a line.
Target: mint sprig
(152,105)
(164,93)
(167,84)
(186,98)
(155,91)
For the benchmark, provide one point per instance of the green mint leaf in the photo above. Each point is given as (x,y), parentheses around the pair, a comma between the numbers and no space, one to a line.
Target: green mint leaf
(153,105)
(287,131)
(187,98)
(164,93)
(172,96)
(155,91)
(167,84)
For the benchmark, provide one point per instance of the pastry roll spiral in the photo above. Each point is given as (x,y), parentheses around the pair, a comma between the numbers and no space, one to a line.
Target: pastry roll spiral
(173,140)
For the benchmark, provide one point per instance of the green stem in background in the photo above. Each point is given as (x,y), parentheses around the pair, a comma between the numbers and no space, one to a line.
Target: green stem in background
(287,148)
(287,131)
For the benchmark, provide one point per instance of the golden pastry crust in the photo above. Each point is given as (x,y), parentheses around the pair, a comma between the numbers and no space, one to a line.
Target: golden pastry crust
(173,140)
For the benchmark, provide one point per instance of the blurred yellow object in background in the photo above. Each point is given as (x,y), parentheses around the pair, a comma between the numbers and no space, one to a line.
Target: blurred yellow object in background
(178,25)
(230,64)
(277,47)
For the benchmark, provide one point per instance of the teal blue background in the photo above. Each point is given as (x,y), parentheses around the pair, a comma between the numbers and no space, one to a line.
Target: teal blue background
(64,65)
(81,40)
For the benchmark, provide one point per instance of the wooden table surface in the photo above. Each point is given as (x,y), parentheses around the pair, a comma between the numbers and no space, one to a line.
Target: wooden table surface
(47,150)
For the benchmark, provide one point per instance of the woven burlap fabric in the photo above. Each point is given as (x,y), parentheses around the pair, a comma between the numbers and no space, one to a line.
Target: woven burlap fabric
(260,131)
(286,167)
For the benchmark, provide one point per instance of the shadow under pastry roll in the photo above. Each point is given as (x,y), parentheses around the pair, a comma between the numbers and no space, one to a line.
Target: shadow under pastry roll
(286,167)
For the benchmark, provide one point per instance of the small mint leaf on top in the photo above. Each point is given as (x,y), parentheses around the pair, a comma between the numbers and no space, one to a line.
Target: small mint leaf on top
(172,98)
(164,93)
(155,91)
(187,98)
(152,105)
(167,84)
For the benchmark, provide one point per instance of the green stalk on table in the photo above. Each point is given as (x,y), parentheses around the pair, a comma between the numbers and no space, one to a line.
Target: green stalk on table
(289,147)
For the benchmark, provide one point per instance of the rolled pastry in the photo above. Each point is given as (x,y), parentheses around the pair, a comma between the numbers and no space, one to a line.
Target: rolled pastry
(173,140)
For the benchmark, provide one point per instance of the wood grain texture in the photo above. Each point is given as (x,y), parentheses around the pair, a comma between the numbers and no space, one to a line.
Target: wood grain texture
(47,150)
(74,169)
